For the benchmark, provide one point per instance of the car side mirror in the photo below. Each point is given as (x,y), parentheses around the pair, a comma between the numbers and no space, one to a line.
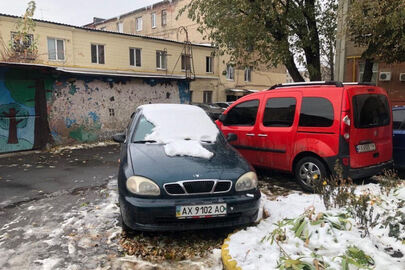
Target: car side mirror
(231,137)
(222,118)
(119,137)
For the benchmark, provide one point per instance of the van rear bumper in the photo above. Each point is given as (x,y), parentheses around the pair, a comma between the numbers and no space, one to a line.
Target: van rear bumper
(370,170)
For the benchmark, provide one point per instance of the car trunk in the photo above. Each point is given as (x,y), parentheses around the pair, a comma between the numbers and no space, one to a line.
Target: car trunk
(371,130)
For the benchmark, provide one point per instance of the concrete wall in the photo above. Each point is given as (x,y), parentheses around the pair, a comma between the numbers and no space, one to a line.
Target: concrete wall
(85,109)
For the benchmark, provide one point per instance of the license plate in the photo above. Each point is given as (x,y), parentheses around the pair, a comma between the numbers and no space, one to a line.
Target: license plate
(361,148)
(203,211)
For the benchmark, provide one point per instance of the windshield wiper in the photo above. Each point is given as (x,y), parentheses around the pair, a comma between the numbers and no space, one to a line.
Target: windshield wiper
(144,141)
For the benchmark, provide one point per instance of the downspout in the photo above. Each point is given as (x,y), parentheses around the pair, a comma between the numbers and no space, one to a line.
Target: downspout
(354,67)
(341,40)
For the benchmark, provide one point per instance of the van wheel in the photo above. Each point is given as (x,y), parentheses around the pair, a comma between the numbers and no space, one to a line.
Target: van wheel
(307,171)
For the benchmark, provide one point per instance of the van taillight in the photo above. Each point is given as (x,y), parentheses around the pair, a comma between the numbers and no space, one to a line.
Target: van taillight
(345,129)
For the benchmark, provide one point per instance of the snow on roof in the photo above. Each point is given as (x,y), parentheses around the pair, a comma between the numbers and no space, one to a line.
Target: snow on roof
(181,128)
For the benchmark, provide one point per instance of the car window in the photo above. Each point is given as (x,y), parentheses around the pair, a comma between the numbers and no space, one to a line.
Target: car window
(399,119)
(142,129)
(371,110)
(279,112)
(243,114)
(316,112)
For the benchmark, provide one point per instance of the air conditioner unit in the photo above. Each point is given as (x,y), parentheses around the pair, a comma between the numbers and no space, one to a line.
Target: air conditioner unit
(402,77)
(385,76)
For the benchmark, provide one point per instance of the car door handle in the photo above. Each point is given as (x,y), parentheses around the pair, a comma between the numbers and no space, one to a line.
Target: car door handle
(250,134)
(262,135)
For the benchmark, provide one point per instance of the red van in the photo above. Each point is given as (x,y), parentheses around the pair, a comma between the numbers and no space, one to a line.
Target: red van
(306,128)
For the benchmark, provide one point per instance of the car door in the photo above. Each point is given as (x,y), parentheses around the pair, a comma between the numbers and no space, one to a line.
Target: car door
(277,129)
(399,137)
(241,120)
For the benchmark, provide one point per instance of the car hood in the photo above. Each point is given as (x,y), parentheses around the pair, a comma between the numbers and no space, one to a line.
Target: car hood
(151,161)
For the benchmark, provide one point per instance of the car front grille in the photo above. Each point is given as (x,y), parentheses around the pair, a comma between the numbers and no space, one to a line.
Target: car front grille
(194,187)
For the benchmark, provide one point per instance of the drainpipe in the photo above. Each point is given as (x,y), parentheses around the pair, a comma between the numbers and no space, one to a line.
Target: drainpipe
(354,66)
(341,40)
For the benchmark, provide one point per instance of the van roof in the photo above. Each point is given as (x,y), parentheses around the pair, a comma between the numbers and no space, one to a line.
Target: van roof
(318,83)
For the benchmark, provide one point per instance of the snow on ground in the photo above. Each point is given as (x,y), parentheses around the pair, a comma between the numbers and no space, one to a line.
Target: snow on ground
(181,128)
(58,149)
(296,232)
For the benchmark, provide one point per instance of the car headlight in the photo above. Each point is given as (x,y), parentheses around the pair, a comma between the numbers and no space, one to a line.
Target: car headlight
(247,181)
(142,186)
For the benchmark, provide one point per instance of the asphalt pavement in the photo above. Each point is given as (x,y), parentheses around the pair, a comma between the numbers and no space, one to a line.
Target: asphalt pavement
(30,176)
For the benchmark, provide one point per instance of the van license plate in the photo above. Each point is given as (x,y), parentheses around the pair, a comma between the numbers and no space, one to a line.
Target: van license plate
(204,210)
(361,148)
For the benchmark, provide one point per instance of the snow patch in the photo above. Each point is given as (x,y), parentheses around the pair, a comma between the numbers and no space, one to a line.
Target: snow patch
(181,128)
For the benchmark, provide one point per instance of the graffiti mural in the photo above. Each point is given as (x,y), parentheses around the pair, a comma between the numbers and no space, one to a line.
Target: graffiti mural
(23,113)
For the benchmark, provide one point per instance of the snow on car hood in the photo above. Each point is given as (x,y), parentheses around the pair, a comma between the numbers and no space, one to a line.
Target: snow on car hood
(181,128)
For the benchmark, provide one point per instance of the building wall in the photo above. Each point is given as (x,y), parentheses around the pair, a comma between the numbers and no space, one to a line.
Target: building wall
(262,77)
(85,109)
(78,49)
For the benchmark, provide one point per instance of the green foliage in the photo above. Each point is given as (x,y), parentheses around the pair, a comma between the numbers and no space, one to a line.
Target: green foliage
(20,114)
(356,257)
(266,32)
(379,26)
(23,45)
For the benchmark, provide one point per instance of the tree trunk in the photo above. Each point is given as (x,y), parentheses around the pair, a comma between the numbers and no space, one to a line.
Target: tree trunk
(368,70)
(293,70)
(42,133)
(12,127)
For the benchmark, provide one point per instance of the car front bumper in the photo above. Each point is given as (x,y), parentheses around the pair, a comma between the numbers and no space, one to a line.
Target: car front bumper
(148,214)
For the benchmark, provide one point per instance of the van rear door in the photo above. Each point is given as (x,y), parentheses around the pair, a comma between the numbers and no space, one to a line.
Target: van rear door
(371,131)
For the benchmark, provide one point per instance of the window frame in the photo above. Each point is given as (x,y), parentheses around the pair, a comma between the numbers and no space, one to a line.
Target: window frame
(230,68)
(97,53)
(25,46)
(153,20)
(138,24)
(185,62)
(248,72)
(209,64)
(162,55)
(207,96)
(163,15)
(56,48)
(135,60)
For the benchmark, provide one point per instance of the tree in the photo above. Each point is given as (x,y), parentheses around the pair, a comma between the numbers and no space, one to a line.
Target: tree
(379,27)
(279,31)
(12,116)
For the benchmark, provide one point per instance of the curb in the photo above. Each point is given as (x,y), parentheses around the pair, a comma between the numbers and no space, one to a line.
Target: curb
(228,262)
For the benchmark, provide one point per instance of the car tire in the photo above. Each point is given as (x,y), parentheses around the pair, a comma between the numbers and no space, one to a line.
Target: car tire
(307,170)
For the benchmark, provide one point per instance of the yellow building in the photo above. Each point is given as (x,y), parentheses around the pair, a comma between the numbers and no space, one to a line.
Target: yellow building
(81,84)
(159,20)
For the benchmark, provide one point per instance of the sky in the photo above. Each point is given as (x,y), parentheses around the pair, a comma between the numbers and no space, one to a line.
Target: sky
(74,12)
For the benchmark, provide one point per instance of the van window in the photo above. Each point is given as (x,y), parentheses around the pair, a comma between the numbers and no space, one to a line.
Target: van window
(243,114)
(399,119)
(279,112)
(370,110)
(316,112)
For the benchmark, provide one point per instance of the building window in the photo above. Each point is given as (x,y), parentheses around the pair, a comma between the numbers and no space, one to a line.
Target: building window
(139,24)
(375,72)
(208,64)
(153,19)
(230,72)
(111,112)
(248,74)
(161,59)
(120,27)
(164,17)
(185,62)
(21,42)
(135,57)
(207,97)
(56,49)
(97,54)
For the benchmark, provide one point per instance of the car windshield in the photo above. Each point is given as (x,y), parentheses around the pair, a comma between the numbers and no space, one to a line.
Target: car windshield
(371,110)
(142,130)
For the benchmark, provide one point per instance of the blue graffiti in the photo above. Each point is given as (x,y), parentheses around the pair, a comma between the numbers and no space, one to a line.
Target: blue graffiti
(94,116)
(69,122)
(184,91)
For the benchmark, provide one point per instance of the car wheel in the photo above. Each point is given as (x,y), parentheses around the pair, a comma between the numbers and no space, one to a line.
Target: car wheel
(308,170)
